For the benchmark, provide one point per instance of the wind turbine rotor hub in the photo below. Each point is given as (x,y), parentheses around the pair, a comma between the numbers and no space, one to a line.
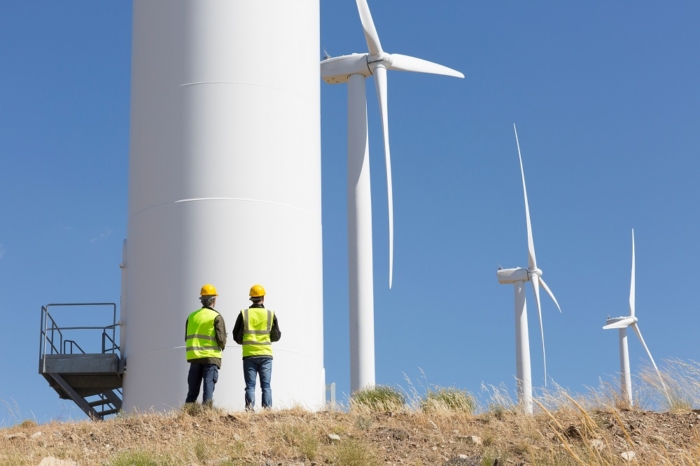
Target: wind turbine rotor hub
(374,61)
(532,272)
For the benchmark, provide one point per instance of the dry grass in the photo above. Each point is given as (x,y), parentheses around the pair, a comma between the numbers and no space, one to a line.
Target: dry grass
(381,398)
(565,430)
(680,390)
(570,435)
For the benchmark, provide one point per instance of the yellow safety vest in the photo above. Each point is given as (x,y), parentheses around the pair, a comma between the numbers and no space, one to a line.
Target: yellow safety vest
(257,324)
(201,335)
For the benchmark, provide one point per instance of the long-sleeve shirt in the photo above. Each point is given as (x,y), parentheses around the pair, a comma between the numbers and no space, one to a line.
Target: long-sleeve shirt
(220,328)
(238,329)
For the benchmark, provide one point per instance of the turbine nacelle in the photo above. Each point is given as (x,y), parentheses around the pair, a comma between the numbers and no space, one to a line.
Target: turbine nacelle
(620,322)
(511,276)
(337,70)
(519,274)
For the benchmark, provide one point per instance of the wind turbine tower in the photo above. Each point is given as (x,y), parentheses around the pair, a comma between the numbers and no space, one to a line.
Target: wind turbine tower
(224,188)
(517,277)
(621,323)
(354,70)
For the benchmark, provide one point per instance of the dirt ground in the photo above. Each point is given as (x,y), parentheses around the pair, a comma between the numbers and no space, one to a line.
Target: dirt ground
(297,437)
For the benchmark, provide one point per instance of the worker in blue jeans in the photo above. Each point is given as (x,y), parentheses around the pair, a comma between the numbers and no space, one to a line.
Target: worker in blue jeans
(205,338)
(255,330)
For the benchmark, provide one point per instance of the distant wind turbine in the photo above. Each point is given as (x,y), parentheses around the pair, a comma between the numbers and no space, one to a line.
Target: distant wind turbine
(353,70)
(518,277)
(621,323)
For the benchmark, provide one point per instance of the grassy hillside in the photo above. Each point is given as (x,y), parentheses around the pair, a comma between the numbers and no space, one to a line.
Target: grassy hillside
(387,426)
(296,437)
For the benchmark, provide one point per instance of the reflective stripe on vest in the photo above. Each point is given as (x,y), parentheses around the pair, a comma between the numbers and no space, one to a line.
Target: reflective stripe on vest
(201,335)
(257,325)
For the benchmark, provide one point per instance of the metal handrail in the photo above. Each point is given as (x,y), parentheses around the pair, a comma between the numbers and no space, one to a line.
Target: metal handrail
(49,334)
(45,332)
(73,344)
(114,346)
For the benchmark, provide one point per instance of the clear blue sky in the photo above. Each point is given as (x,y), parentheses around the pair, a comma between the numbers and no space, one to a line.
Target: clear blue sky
(607,103)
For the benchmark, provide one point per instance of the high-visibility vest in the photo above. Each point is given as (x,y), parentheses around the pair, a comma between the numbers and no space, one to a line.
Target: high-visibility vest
(257,324)
(201,335)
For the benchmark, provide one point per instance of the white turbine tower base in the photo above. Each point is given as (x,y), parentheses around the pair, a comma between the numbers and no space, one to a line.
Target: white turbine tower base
(224,188)
(354,69)
(621,323)
(518,277)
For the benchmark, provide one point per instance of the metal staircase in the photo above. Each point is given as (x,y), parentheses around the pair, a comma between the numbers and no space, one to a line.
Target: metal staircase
(91,378)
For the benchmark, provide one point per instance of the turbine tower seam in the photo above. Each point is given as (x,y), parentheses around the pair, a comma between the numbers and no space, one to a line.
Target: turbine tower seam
(222,199)
(199,83)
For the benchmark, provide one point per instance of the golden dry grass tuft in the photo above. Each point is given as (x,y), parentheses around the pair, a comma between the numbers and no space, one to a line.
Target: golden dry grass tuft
(380,398)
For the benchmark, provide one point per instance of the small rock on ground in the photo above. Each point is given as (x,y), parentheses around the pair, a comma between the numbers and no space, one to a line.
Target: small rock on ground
(463,460)
(51,461)
(573,432)
(598,444)
(475,440)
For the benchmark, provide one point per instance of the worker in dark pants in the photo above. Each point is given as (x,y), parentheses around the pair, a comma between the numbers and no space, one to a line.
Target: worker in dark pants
(256,328)
(205,336)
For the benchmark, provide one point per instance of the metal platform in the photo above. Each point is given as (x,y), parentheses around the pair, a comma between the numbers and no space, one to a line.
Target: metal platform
(93,380)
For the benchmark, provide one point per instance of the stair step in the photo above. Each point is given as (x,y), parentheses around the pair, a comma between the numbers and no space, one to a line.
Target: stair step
(107,412)
(113,398)
(99,403)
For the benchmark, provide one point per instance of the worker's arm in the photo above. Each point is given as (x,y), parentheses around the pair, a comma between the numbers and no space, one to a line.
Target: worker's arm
(220,327)
(275,332)
(238,329)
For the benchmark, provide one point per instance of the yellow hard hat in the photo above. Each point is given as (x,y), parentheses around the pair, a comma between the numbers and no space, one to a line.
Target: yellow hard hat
(208,290)
(257,291)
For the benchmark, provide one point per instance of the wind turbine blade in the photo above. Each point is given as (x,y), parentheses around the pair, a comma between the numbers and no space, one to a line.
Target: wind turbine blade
(639,334)
(405,63)
(535,279)
(532,260)
(380,82)
(626,322)
(549,292)
(632,280)
(371,36)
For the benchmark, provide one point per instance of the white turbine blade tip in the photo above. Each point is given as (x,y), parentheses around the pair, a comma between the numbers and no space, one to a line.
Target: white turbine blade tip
(549,292)
(632,280)
(651,358)
(417,65)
